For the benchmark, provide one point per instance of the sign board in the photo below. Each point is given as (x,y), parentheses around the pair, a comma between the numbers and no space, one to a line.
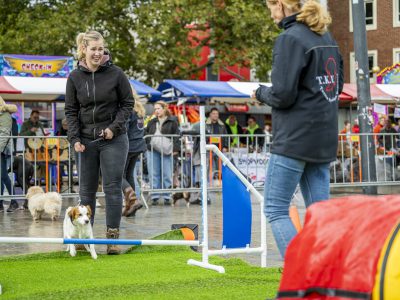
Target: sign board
(390,75)
(35,66)
(252,165)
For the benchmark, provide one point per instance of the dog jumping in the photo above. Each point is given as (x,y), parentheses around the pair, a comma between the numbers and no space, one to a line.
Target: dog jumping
(77,225)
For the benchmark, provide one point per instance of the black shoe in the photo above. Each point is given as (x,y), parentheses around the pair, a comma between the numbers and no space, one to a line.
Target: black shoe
(196,202)
(167,203)
(12,207)
(1,207)
(155,202)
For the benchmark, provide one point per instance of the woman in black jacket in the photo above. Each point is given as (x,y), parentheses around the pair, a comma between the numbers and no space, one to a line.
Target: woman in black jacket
(98,104)
(307,78)
(161,150)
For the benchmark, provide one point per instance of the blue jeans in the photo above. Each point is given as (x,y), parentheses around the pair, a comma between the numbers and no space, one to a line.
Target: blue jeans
(282,177)
(160,172)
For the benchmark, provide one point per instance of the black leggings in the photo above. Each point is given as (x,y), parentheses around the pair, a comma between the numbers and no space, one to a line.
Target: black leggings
(109,156)
(128,180)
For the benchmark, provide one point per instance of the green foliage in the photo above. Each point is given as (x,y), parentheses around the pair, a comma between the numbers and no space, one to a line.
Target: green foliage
(148,39)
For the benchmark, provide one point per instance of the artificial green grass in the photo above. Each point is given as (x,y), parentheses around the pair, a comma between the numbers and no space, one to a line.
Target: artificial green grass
(146,272)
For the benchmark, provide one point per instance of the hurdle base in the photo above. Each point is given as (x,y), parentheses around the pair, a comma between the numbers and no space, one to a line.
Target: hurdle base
(209,266)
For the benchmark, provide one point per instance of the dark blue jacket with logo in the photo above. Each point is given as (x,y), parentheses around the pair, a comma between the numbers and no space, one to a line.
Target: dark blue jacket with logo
(307,78)
(135,127)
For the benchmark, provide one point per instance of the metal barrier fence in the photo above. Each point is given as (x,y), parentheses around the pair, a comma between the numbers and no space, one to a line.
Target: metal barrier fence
(171,167)
(38,160)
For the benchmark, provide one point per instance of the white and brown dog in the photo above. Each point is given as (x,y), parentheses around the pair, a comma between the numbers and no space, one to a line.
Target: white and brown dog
(77,225)
(40,202)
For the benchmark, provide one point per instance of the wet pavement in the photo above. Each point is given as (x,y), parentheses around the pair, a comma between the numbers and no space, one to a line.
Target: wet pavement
(146,224)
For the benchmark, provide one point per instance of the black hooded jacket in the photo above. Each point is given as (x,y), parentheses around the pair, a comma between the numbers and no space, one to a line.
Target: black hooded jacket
(97,100)
(307,79)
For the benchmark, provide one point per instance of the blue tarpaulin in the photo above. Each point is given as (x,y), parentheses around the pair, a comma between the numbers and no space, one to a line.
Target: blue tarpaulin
(237,215)
(145,90)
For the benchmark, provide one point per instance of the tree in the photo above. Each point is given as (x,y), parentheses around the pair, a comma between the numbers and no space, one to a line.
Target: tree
(151,40)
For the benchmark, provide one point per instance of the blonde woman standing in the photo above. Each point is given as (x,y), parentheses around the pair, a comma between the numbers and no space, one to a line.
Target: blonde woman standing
(98,104)
(307,78)
(137,146)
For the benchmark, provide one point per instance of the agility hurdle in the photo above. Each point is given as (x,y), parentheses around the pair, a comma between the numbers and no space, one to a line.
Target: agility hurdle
(24,240)
(206,252)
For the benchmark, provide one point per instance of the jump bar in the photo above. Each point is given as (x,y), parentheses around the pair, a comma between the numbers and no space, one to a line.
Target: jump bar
(24,240)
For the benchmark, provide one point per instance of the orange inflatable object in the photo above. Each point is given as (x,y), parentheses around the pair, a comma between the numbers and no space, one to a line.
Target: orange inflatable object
(336,254)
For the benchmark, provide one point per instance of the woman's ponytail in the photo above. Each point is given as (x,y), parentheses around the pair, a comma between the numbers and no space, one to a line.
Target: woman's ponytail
(315,16)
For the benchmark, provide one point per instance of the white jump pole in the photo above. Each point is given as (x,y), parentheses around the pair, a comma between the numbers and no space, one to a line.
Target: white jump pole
(26,240)
(203,152)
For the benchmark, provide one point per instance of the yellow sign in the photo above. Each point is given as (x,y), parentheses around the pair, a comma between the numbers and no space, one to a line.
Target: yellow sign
(36,67)
(355,138)
(215,140)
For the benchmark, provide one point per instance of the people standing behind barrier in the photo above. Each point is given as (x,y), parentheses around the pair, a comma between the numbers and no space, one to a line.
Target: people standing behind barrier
(307,79)
(162,147)
(137,146)
(388,140)
(255,141)
(98,104)
(233,128)
(6,151)
(32,126)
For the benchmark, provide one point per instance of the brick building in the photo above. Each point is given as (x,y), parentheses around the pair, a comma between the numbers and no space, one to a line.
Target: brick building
(383,33)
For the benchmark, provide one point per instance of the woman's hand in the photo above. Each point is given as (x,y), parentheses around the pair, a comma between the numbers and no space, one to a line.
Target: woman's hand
(79,147)
(108,134)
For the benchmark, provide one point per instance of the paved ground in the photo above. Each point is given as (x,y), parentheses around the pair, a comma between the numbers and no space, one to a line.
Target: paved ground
(147,223)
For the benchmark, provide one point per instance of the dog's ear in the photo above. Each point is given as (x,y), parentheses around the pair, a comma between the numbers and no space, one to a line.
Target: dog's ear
(72,212)
(89,210)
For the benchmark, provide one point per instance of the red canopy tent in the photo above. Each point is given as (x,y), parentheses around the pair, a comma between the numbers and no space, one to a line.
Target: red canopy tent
(6,88)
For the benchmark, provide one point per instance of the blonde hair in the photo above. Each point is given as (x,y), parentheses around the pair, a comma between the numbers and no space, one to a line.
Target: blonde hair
(138,107)
(82,41)
(164,107)
(312,14)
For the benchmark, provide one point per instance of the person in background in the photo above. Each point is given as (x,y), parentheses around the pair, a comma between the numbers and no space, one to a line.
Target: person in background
(6,151)
(162,147)
(377,129)
(98,104)
(137,146)
(214,126)
(307,79)
(356,126)
(268,137)
(233,128)
(345,132)
(388,141)
(32,126)
(256,135)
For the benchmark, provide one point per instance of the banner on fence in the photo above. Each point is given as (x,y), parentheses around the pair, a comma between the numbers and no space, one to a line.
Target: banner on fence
(251,164)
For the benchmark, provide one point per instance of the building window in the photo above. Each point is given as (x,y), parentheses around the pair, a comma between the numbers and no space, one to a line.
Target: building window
(370,15)
(372,62)
(396,13)
(396,55)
